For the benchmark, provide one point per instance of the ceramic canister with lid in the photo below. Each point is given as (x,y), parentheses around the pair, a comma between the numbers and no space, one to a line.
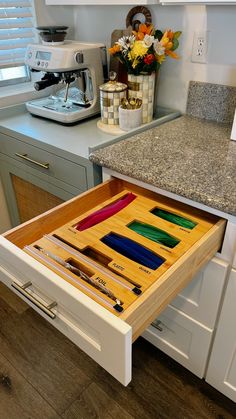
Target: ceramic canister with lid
(111,94)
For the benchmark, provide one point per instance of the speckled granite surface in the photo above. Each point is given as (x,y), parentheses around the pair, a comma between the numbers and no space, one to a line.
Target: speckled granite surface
(188,156)
(211,101)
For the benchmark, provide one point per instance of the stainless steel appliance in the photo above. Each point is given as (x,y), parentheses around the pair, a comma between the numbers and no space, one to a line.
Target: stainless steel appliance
(79,68)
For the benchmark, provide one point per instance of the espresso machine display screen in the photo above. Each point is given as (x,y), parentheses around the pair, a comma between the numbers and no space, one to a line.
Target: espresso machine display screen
(43,55)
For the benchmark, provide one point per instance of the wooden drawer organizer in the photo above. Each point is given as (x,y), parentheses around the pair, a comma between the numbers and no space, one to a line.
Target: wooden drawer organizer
(55,232)
(77,247)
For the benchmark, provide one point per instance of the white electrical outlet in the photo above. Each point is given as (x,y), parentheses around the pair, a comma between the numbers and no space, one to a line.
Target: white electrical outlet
(200,45)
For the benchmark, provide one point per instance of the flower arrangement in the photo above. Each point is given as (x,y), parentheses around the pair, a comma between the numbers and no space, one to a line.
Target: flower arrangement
(144,51)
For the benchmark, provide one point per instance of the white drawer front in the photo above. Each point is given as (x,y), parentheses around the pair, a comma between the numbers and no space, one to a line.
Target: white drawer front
(200,299)
(104,337)
(182,339)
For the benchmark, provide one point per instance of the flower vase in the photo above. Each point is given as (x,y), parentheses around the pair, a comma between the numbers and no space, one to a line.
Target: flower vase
(143,87)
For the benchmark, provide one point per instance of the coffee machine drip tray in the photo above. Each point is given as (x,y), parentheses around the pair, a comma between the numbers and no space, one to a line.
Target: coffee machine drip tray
(58,105)
(56,108)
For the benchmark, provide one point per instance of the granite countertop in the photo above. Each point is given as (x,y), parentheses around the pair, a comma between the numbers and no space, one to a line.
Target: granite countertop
(188,156)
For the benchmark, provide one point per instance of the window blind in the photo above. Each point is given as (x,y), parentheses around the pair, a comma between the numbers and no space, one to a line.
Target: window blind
(16,31)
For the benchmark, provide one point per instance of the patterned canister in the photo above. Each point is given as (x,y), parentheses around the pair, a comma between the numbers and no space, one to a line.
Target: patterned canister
(142,86)
(111,94)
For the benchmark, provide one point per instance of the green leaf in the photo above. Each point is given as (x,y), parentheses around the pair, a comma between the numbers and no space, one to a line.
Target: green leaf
(158,34)
(175,44)
(177,34)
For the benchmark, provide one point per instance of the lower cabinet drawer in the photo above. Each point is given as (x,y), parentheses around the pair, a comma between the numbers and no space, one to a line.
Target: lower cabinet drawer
(182,338)
(102,266)
(45,162)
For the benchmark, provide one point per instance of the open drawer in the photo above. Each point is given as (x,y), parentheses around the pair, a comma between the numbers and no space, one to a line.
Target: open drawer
(101,270)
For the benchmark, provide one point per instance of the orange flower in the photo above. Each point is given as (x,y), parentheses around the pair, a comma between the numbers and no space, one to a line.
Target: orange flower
(169,34)
(172,54)
(114,49)
(143,30)
(165,41)
(146,29)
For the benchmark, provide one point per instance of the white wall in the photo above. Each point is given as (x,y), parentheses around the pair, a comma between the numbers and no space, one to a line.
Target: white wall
(54,15)
(96,23)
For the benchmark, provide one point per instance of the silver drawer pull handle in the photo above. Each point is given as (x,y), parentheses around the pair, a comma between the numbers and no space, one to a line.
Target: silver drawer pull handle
(34,300)
(157,325)
(25,157)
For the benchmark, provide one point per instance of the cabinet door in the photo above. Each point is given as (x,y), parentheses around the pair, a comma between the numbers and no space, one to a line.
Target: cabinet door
(221,372)
(29,193)
(182,338)
(201,298)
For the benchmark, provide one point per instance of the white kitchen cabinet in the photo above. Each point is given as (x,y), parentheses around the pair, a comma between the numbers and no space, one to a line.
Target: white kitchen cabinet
(221,372)
(182,338)
(184,329)
(200,300)
(100,2)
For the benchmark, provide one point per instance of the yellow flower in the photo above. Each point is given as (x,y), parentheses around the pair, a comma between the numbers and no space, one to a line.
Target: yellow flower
(160,58)
(139,50)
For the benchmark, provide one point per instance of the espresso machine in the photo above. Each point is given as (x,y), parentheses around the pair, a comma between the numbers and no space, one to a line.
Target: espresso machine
(76,70)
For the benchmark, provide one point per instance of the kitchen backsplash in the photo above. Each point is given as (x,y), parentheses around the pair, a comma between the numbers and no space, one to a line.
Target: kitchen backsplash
(211,101)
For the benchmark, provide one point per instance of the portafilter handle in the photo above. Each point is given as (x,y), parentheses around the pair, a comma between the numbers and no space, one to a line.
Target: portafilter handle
(47,80)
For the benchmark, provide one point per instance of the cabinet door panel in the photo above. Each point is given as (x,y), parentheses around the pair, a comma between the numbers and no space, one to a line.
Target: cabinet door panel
(182,338)
(200,299)
(221,372)
(11,171)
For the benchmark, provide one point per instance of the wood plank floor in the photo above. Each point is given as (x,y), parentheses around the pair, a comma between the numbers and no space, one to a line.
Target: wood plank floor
(43,374)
